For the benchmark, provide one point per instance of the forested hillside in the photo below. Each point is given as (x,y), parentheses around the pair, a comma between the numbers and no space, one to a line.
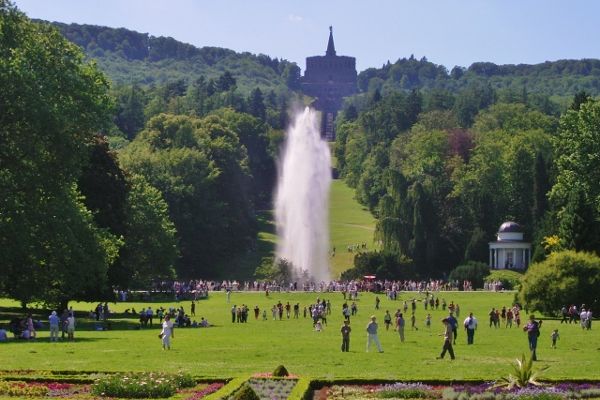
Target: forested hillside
(130,57)
(557,78)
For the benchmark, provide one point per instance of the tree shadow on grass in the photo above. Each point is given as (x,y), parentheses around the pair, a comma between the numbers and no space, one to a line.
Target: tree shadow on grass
(44,340)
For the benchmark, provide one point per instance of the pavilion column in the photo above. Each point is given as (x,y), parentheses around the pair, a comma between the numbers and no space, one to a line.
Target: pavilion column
(491,264)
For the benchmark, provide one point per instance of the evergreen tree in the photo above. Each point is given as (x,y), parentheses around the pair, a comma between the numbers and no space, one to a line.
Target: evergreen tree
(256,104)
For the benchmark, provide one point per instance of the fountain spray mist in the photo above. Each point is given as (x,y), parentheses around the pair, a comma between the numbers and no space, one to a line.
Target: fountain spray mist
(302,198)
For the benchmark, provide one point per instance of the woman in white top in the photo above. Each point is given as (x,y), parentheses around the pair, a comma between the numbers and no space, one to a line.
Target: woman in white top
(167,332)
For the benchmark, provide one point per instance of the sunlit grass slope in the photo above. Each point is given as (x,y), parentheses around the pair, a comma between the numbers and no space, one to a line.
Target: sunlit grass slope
(350,224)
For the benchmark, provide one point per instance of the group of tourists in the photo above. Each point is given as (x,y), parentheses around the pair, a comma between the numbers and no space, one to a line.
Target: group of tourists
(505,316)
(26,328)
(572,314)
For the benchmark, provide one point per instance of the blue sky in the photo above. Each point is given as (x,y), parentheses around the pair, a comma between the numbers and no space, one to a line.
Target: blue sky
(446,32)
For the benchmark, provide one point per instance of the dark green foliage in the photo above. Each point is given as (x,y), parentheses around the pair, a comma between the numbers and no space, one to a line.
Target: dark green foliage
(470,271)
(202,170)
(280,371)
(565,278)
(130,110)
(576,193)
(579,99)
(256,104)
(150,248)
(384,265)
(280,270)
(52,105)
(245,393)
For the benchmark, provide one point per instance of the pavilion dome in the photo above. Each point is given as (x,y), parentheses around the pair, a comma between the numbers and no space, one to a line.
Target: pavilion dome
(509,227)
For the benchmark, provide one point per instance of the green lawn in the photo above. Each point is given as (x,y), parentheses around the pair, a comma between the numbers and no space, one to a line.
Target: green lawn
(229,349)
(350,223)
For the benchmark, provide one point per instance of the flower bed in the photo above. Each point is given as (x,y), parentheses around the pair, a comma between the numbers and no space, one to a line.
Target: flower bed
(486,391)
(142,385)
(200,391)
(42,389)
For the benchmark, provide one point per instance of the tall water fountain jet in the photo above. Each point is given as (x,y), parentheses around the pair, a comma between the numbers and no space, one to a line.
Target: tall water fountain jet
(302,198)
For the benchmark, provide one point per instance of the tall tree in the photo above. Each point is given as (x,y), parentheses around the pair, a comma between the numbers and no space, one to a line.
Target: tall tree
(576,193)
(256,104)
(52,104)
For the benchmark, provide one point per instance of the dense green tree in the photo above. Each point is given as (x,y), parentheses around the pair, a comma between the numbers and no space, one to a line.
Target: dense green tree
(225,82)
(256,104)
(472,271)
(471,100)
(253,134)
(565,278)
(576,194)
(130,111)
(384,265)
(150,249)
(52,103)
(579,98)
(202,170)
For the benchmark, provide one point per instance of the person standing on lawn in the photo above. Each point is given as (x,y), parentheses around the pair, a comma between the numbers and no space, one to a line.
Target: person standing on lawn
(346,336)
(167,333)
(372,335)
(53,320)
(533,332)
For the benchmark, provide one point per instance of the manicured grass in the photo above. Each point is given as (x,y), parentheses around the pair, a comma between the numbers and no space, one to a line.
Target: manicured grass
(350,224)
(232,349)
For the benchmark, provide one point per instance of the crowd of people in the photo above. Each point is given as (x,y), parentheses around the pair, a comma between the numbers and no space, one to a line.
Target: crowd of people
(196,289)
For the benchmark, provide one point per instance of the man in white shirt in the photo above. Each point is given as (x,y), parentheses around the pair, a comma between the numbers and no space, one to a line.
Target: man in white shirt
(470,325)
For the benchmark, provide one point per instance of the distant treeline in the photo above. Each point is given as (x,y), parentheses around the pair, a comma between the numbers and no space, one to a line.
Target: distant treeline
(556,78)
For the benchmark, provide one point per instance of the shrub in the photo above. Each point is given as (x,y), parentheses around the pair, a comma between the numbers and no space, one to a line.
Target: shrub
(566,277)
(470,271)
(245,393)
(280,371)
(510,279)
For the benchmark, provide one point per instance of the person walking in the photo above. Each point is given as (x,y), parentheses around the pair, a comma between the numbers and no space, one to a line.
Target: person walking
(53,320)
(533,332)
(167,332)
(372,335)
(400,322)
(470,326)
(454,324)
(346,336)
(448,339)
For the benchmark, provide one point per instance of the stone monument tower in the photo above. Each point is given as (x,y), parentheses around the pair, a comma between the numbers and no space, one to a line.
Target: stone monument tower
(329,79)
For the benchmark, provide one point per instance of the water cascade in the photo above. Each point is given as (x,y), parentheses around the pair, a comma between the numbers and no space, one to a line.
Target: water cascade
(302,199)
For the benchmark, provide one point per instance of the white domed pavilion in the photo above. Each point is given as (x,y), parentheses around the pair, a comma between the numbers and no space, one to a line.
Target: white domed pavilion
(510,250)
